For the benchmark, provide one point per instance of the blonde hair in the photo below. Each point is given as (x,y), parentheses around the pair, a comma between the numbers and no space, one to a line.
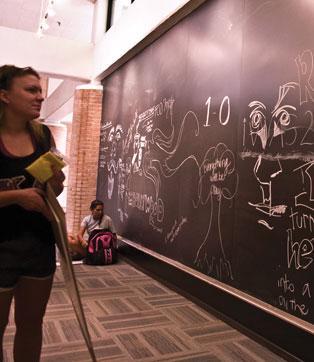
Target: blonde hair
(7,74)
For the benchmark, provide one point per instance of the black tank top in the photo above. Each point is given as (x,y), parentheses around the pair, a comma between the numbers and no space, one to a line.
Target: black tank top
(14,220)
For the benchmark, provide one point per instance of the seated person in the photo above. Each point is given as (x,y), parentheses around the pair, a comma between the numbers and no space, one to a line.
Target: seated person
(96,220)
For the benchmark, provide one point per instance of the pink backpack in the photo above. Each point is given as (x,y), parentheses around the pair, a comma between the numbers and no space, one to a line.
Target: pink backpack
(101,248)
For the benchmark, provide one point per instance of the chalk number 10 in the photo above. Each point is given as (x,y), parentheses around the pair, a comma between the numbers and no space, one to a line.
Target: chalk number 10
(225,104)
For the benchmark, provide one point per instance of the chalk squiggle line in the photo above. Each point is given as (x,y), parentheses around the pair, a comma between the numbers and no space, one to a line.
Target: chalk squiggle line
(265,223)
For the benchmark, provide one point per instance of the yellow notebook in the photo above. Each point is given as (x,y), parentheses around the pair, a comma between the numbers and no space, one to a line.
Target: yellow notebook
(41,168)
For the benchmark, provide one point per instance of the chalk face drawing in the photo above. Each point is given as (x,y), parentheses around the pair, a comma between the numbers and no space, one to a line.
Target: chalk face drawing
(264,127)
(111,137)
(277,132)
(281,140)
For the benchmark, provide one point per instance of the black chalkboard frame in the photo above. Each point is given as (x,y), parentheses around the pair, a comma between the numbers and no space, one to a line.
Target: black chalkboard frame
(175,18)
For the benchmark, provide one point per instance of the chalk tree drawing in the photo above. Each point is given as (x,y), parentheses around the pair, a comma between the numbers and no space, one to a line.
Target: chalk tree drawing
(218,165)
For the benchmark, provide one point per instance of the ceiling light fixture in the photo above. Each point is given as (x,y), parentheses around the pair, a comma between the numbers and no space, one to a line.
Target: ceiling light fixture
(47,11)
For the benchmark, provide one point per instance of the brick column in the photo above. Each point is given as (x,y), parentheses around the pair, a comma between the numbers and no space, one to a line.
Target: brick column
(84,149)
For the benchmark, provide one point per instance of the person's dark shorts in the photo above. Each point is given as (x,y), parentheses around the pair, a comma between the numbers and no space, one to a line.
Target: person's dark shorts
(26,257)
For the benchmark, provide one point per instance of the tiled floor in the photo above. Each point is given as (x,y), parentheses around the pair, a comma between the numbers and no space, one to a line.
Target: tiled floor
(132,317)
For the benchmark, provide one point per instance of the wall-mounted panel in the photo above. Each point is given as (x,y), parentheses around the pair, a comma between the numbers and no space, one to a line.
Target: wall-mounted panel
(207,152)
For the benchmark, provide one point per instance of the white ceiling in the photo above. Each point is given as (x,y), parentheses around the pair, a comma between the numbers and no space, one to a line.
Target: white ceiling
(76,23)
(75,17)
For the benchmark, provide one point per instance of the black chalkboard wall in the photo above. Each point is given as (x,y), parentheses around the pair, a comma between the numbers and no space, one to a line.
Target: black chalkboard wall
(207,147)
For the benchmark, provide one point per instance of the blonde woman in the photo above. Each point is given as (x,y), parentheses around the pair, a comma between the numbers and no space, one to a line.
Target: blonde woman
(27,250)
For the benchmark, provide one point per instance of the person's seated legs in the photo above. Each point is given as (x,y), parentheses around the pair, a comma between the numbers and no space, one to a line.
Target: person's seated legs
(78,251)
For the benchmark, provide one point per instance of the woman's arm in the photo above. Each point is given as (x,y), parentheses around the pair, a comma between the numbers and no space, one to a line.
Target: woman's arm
(80,235)
(29,199)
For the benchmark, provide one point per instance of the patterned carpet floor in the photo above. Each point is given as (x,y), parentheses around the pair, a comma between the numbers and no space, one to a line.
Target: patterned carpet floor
(132,317)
